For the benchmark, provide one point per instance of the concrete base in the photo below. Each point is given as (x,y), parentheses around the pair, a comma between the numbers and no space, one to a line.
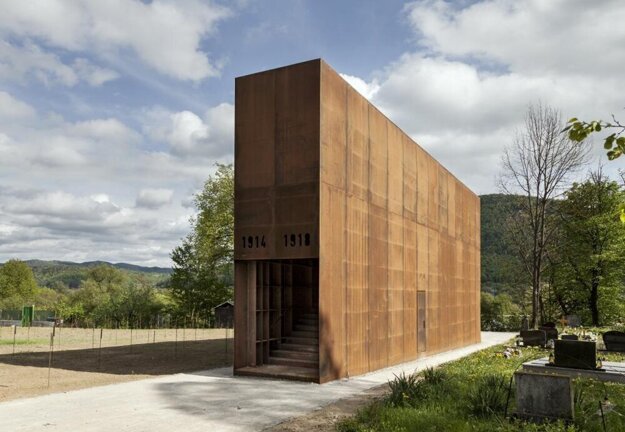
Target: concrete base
(611,371)
(543,396)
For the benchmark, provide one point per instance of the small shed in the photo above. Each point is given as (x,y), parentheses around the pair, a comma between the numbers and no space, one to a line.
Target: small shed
(224,315)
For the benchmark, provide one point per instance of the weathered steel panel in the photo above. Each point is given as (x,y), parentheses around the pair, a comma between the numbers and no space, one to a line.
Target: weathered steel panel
(277,121)
(333,229)
(395,288)
(357,307)
(332,289)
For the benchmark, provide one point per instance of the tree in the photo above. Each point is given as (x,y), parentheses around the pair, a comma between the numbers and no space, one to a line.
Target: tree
(614,144)
(203,263)
(17,284)
(538,165)
(593,240)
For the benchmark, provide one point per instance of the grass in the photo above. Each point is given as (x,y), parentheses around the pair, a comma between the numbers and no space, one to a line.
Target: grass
(470,394)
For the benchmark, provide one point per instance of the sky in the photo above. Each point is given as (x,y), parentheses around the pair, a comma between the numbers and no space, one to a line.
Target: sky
(113,113)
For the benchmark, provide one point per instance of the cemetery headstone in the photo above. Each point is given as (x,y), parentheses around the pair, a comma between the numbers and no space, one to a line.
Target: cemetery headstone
(551,332)
(543,396)
(575,354)
(614,341)
(534,337)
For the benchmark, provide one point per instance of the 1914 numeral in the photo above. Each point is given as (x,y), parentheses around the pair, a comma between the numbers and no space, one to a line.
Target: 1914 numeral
(253,242)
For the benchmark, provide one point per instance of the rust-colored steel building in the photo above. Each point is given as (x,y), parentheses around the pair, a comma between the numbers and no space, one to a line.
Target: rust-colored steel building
(354,249)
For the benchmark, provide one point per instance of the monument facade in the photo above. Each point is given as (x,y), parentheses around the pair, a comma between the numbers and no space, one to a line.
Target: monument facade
(354,249)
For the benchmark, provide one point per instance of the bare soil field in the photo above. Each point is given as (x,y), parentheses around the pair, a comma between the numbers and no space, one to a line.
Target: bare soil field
(78,362)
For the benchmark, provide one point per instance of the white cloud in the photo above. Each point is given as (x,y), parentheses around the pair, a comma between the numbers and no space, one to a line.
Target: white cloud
(93,74)
(11,108)
(29,60)
(18,63)
(154,198)
(464,90)
(97,188)
(189,135)
(531,37)
(60,225)
(164,34)
(366,89)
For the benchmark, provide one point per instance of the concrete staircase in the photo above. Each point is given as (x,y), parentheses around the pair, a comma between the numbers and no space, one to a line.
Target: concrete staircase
(301,348)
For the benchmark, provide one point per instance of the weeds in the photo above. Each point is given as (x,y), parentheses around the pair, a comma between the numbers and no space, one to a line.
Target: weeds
(488,396)
(405,389)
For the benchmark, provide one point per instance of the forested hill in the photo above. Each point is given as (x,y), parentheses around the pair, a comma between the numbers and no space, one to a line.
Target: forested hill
(71,274)
(500,265)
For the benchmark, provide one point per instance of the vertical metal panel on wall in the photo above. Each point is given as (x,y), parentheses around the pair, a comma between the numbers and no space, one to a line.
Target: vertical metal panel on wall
(357,246)
(332,230)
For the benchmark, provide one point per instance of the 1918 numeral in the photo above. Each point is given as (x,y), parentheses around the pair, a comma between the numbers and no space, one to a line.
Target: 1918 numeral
(297,240)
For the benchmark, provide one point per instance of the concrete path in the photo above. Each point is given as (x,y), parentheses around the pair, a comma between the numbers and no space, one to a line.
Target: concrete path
(207,401)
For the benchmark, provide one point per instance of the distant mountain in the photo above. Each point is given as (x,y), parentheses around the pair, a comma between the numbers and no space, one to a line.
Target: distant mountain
(88,264)
(56,274)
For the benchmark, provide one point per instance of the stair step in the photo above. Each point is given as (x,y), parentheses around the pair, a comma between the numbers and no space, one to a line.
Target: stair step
(293,362)
(306,328)
(306,321)
(301,340)
(304,334)
(299,355)
(300,348)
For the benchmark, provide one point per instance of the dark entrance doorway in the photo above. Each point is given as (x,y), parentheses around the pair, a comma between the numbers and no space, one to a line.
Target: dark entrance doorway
(286,317)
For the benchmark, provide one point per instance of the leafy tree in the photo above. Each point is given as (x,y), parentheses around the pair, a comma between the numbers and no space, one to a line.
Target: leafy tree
(538,164)
(499,313)
(592,262)
(17,284)
(203,263)
(614,144)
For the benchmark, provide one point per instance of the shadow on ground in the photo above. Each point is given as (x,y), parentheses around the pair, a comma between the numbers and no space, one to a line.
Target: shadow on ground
(145,359)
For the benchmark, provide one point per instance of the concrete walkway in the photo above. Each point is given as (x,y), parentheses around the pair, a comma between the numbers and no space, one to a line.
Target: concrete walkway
(213,400)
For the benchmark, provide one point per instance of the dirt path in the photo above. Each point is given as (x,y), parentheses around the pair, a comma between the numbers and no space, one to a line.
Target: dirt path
(25,373)
(326,418)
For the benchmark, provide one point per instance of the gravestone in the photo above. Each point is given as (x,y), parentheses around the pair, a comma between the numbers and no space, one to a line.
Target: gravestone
(543,396)
(551,332)
(614,341)
(533,337)
(569,337)
(575,354)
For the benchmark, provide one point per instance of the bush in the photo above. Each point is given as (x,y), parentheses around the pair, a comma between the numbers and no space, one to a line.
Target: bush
(499,313)
(435,376)
(405,389)
(488,396)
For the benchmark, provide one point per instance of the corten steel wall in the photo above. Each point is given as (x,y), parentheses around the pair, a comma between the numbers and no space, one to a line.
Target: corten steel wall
(387,220)
(276,180)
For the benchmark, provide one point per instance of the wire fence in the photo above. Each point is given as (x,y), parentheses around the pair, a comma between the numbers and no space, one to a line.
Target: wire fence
(57,354)
(46,318)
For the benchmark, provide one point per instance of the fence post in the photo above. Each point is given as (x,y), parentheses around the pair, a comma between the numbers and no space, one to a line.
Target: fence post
(14,335)
(50,355)
(100,350)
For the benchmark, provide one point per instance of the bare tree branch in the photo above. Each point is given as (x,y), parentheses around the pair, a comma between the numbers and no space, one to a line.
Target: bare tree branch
(538,165)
